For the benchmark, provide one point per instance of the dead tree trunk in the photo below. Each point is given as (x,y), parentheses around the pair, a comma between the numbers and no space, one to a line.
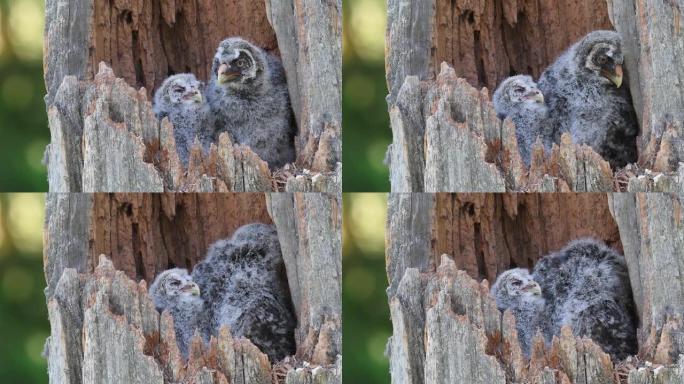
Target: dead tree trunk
(104,137)
(104,327)
(447,137)
(446,328)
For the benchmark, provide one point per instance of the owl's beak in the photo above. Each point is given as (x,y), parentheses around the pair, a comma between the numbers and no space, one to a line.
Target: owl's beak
(536,96)
(533,288)
(614,76)
(192,288)
(224,74)
(198,97)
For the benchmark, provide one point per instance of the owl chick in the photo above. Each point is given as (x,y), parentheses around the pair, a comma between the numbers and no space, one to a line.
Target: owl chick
(586,287)
(174,291)
(243,281)
(249,98)
(586,97)
(516,290)
(519,99)
(180,99)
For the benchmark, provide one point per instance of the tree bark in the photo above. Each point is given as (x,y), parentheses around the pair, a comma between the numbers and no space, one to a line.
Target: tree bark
(446,136)
(447,329)
(104,327)
(104,137)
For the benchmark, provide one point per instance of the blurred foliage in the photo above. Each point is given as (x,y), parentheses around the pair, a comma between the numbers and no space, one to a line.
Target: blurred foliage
(23,120)
(366,318)
(23,314)
(366,132)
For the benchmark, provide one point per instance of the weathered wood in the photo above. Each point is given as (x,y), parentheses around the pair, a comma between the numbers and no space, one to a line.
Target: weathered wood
(447,329)
(125,339)
(457,144)
(655,46)
(125,149)
(655,256)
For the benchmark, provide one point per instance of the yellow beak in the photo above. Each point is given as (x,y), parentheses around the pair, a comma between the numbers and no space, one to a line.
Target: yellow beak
(616,77)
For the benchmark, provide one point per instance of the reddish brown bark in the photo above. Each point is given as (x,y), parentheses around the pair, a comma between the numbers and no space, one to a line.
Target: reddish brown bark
(144,41)
(487,41)
(144,234)
(489,233)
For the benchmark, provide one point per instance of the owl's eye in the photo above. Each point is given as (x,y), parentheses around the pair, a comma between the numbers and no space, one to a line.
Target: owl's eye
(241,63)
(601,60)
(178,89)
(516,283)
(175,283)
(519,90)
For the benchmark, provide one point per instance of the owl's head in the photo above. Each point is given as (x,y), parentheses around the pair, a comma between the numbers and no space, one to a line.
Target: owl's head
(238,64)
(172,287)
(517,91)
(600,56)
(515,287)
(183,88)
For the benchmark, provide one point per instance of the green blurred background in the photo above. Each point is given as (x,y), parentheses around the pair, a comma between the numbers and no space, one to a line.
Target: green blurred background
(366,131)
(23,314)
(23,121)
(366,319)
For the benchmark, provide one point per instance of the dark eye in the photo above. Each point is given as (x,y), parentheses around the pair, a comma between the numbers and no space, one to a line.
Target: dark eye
(601,60)
(519,90)
(175,283)
(178,89)
(241,63)
(516,283)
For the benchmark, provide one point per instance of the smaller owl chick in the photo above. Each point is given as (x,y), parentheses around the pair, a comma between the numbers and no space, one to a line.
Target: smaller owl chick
(516,290)
(249,98)
(244,283)
(180,99)
(519,99)
(174,291)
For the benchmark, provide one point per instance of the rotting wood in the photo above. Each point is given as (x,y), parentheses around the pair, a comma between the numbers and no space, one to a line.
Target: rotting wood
(447,329)
(146,233)
(125,149)
(446,137)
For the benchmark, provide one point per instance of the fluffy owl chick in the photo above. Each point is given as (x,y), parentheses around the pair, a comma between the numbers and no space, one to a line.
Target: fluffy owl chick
(243,281)
(516,290)
(180,99)
(174,291)
(249,98)
(519,99)
(586,287)
(586,96)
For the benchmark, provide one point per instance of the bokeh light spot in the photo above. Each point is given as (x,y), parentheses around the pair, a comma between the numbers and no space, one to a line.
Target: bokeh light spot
(368,222)
(34,347)
(17,284)
(360,90)
(368,22)
(360,283)
(376,345)
(25,219)
(26,28)
(34,154)
(17,92)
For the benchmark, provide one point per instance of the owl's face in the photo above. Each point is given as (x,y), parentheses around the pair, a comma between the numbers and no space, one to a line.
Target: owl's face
(184,89)
(172,286)
(522,89)
(605,61)
(515,286)
(236,62)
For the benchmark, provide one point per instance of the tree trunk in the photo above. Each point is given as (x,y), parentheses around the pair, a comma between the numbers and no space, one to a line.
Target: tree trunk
(104,137)
(447,137)
(446,328)
(104,327)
